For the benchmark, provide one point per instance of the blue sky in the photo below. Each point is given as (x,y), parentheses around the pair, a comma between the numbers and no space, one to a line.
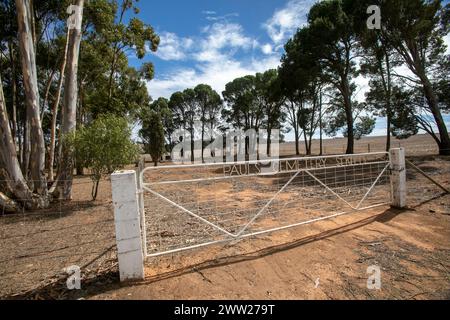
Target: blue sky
(216,41)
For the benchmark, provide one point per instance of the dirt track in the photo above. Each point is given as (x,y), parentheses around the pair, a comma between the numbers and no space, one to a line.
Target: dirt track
(411,247)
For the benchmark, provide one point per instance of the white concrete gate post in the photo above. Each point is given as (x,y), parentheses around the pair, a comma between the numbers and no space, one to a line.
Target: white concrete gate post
(398,177)
(128,227)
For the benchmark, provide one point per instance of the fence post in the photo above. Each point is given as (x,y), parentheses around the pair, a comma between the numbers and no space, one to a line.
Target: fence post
(398,177)
(141,167)
(127,222)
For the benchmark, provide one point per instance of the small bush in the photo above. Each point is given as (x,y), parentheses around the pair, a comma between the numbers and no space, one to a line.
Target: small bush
(104,147)
(152,134)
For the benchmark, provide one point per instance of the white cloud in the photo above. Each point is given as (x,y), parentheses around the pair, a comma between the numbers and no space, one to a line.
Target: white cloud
(266,48)
(211,45)
(221,35)
(173,47)
(214,58)
(217,74)
(221,18)
(284,22)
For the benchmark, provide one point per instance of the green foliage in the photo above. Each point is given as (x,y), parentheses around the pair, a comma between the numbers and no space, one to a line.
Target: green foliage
(110,84)
(152,134)
(161,106)
(104,147)
(243,110)
(201,104)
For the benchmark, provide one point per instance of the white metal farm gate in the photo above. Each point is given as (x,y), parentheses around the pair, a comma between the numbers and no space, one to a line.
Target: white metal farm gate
(190,206)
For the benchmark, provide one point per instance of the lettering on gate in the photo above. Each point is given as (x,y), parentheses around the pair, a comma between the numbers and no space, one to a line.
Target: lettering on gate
(290,165)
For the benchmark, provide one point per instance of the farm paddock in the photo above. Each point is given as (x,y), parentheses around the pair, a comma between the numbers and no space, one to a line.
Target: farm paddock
(324,260)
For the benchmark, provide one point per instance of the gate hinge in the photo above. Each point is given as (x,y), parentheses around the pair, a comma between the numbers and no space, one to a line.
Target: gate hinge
(390,170)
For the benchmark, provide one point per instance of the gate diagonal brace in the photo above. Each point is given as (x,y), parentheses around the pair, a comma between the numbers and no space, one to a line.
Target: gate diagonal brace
(260,212)
(189,212)
(267,205)
(372,186)
(239,234)
(342,199)
(329,189)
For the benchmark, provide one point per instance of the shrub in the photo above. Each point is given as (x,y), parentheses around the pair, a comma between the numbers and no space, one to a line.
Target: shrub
(152,134)
(104,147)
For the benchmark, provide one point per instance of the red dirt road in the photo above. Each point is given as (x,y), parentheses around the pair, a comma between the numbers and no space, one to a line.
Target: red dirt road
(327,260)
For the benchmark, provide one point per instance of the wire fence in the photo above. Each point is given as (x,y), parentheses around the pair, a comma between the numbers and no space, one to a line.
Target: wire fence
(37,246)
(420,188)
(192,206)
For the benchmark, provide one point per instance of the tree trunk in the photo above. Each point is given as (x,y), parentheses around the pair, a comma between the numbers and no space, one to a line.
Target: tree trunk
(444,145)
(350,133)
(417,66)
(95,190)
(78,167)
(349,118)
(46,93)
(7,204)
(269,140)
(192,146)
(26,148)
(32,23)
(305,137)
(388,137)
(211,139)
(55,112)
(203,138)
(388,88)
(13,91)
(20,144)
(320,124)
(16,182)
(297,140)
(28,57)
(65,177)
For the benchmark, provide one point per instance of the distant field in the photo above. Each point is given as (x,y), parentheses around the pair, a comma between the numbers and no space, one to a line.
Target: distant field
(417,145)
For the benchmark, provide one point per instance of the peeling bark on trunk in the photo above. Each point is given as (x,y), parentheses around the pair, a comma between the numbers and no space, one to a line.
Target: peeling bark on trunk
(28,57)
(65,176)
(7,204)
(16,182)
